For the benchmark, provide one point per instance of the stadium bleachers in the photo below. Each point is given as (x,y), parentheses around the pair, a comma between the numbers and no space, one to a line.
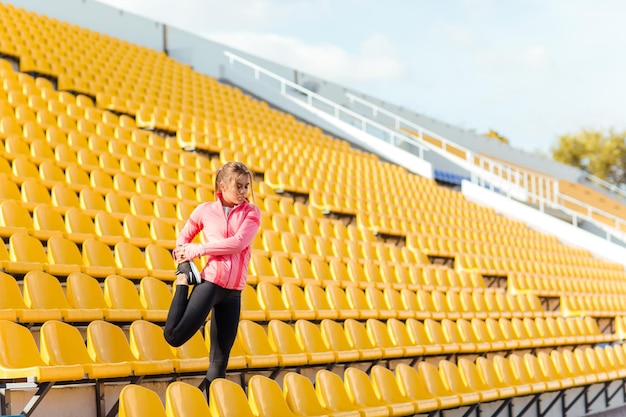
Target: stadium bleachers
(359,301)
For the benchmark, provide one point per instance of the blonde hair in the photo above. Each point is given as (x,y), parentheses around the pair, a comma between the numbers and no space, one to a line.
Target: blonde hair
(231,172)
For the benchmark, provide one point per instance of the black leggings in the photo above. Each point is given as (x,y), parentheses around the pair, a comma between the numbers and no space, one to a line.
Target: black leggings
(187,315)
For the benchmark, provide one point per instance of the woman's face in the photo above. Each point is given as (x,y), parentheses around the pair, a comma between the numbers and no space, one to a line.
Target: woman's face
(235,192)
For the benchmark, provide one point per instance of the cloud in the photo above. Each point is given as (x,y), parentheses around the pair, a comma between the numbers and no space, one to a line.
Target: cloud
(375,60)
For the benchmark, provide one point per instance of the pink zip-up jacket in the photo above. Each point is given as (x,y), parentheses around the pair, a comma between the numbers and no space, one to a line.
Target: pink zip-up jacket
(228,240)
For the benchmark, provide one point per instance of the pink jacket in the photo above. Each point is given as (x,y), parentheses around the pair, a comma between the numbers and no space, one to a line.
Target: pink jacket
(228,240)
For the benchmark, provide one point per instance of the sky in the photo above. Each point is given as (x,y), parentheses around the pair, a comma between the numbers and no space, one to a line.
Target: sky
(532,70)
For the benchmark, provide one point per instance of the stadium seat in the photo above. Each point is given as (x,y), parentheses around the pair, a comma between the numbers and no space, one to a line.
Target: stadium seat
(361,392)
(130,260)
(185,400)
(254,342)
(334,396)
(136,401)
(26,254)
(266,398)
(98,259)
(336,340)
(120,293)
(193,355)
(272,303)
(227,398)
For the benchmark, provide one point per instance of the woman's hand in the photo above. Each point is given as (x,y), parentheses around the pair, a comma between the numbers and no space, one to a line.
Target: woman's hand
(187,252)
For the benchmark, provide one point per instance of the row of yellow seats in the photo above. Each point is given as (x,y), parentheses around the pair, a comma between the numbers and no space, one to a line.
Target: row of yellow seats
(82,299)
(447,245)
(549,286)
(51,184)
(406,390)
(112,218)
(60,257)
(498,266)
(290,301)
(609,305)
(26,160)
(279,268)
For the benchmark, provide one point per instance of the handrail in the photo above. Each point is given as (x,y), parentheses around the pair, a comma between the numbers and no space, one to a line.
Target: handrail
(537,180)
(399,121)
(605,184)
(363,123)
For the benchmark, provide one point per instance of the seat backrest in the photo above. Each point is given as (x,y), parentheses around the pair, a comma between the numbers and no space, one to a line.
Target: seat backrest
(61,344)
(107,225)
(84,291)
(300,395)
(385,385)
(227,398)
(162,230)
(89,199)
(337,298)
(293,297)
(334,335)
(378,333)
(134,227)
(26,248)
(154,294)
(121,293)
(269,297)
(139,401)
(128,255)
(63,251)
(331,392)
(357,336)
(17,347)
(360,389)
(147,341)
(45,218)
(282,337)
(185,400)
(266,398)
(432,380)
(315,297)
(43,291)
(13,214)
(10,295)
(76,221)
(33,191)
(159,258)
(309,336)
(254,339)
(107,343)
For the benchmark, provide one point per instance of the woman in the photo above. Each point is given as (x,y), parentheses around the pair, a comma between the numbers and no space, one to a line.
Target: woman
(229,225)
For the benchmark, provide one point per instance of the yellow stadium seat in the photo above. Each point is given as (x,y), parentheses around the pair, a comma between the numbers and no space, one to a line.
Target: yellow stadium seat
(130,260)
(378,334)
(361,392)
(282,339)
(159,262)
(108,229)
(227,398)
(316,299)
(254,341)
(295,301)
(185,400)
(136,401)
(309,337)
(333,396)
(336,340)
(338,301)
(120,293)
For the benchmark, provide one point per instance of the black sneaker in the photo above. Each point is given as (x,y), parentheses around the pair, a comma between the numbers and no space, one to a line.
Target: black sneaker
(191,271)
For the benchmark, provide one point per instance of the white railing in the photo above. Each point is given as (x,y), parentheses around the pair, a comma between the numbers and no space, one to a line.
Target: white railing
(539,189)
(538,183)
(318,102)
(606,185)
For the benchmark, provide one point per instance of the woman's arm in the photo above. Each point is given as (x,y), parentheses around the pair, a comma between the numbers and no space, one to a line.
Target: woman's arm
(233,244)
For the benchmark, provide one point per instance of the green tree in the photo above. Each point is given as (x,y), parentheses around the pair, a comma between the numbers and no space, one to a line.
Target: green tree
(602,154)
